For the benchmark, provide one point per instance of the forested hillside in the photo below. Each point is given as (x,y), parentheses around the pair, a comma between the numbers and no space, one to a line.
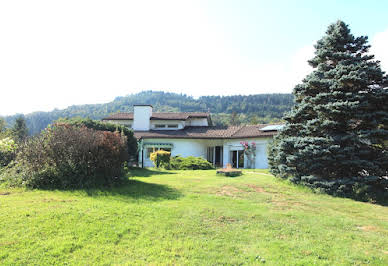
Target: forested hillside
(259,108)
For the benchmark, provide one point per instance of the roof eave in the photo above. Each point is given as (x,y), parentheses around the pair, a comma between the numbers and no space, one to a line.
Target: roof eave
(178,137)
(112,119)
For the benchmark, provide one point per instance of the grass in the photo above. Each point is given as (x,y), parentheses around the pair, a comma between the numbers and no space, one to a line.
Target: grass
(191,218)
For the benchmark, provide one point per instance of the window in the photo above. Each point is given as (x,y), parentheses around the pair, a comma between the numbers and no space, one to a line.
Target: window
(149,151)
(166,126)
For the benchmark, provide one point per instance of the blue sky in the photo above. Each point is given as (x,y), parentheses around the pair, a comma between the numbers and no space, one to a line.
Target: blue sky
(280,27)
(59,53)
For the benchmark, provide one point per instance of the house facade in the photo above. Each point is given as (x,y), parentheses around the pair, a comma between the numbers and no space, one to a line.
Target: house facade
(192,134)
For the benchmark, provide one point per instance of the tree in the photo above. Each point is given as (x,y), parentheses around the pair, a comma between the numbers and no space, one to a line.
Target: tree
(2,125)
(254,120)
(234,119)
(4,131)
(334,135)
(20,129)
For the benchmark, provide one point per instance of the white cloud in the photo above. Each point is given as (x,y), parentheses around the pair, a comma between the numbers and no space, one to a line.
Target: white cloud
(379,47)
(55,54)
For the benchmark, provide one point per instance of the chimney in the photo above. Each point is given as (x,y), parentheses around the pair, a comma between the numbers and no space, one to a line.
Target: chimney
(141,117)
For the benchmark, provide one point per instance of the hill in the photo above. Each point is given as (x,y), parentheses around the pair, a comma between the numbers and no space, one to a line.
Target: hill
(258,108)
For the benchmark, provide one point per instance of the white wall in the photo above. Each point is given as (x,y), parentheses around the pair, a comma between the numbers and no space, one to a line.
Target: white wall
(198,148)
(261,150)
(141,117)
(182,147)
(181,124)
(197,122)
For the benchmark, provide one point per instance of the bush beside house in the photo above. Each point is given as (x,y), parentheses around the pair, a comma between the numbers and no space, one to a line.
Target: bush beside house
(190,163)
(103,126)
(161,158)
(66,156)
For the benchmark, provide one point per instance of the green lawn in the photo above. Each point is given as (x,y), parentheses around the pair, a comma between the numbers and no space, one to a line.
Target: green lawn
(191,218)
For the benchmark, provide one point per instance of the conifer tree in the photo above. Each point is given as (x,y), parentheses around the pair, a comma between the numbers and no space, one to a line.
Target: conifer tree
(334,135)
(20,129)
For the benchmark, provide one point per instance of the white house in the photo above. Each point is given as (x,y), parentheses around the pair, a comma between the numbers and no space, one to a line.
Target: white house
(192,134)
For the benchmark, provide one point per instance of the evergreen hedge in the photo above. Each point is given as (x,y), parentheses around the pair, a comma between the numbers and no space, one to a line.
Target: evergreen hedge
(190,163)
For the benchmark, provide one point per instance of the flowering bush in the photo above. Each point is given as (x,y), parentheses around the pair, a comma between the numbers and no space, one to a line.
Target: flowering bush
(248,148)
(250,152)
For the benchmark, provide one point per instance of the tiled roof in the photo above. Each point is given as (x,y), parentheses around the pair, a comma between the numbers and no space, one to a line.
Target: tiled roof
(159,116)
(212,132)
(119,116)
(249,131)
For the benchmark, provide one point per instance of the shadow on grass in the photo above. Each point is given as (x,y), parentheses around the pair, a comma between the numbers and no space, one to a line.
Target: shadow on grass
(376,199)
(128,188)
(147,172)
(138,190)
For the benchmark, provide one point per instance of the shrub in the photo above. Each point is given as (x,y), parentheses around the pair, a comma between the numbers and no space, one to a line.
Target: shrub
(65,156)
(161,158)
(7,151)
(103,126)
(190,163)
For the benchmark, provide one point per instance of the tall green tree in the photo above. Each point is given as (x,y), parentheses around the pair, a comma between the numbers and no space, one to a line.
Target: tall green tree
(334,135)
(2,125)
(20,129)
(234,119)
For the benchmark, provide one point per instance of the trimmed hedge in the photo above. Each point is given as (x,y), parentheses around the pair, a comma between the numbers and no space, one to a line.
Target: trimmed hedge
(190,163)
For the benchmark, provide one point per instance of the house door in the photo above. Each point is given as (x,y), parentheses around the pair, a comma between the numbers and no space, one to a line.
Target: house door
(218,156)
(237,159)
(214,155)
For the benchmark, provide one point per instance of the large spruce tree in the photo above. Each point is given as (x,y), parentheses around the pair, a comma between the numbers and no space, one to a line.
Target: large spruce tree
(335,135)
